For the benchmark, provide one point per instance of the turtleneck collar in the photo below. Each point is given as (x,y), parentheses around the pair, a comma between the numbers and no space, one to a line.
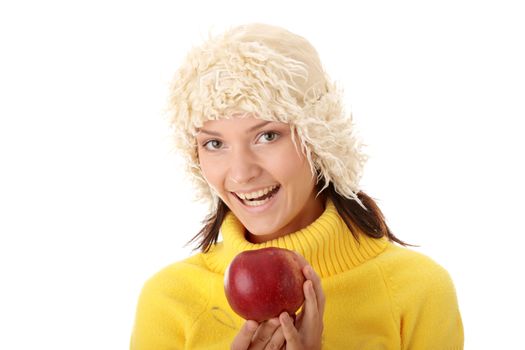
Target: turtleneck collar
(327,243)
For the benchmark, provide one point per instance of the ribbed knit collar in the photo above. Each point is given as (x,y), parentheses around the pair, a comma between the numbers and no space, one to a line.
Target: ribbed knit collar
(327,244)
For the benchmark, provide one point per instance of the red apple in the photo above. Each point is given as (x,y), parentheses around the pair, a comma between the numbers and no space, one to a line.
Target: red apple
(260,284)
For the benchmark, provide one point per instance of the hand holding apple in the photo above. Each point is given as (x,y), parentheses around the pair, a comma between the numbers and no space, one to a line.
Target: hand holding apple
(307,330)
(261,284)
(303,334)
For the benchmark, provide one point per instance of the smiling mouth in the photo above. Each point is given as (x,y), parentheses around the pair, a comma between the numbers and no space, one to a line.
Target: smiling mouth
(255,202)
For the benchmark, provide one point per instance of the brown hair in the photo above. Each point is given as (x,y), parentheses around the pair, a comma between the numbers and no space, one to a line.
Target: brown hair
(370,221)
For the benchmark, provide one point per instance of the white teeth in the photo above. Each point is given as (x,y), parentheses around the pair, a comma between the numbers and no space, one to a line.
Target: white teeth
(256,203)
(256,194)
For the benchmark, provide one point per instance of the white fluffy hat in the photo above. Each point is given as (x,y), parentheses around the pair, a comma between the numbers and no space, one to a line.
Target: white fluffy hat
(276,75)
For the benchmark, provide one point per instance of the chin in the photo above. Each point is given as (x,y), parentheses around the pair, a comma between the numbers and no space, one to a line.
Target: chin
(266,231)
(262,235)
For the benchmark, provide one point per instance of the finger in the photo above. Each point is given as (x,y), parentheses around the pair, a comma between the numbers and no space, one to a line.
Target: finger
(264,333)
(245,335)
(290,332)
(277,341)
(312,318)
(302,261)
(311,275)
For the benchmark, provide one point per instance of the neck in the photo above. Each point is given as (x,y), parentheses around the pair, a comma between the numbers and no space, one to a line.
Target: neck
(312,210)
(327,243)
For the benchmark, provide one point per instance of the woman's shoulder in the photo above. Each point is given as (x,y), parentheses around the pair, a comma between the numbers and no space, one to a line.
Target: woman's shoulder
(169,302)
(190,263)
(399,258)
(410,273)
(424,299)
(186,276)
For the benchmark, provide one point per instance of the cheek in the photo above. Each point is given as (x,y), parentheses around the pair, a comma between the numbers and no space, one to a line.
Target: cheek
(210,171)
(291,169)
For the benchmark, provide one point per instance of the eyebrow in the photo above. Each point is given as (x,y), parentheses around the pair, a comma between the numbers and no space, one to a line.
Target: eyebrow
(255,127)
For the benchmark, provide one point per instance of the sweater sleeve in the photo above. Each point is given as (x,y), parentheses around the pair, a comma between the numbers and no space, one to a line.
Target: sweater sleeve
(426,301)
(168,305)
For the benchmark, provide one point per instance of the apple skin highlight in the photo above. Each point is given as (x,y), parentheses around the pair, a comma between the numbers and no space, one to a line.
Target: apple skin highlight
(260,284)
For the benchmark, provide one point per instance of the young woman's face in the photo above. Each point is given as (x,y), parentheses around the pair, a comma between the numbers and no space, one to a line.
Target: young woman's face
(256,170)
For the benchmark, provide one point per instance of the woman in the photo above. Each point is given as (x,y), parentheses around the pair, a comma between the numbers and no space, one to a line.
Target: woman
(270,148)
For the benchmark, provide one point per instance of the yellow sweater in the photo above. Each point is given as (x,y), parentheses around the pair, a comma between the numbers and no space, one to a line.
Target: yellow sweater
(378,295)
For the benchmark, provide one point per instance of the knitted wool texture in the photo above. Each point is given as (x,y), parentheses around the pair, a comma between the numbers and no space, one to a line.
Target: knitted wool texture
(272,74)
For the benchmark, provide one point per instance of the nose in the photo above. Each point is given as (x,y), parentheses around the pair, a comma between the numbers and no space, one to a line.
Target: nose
(243,166)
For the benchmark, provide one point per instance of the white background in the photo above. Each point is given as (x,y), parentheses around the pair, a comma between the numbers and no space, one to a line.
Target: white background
(93,202)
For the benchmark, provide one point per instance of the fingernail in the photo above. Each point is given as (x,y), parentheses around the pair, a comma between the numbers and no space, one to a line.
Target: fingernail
(274,321)
(309,271)
(285,317)
(251,326)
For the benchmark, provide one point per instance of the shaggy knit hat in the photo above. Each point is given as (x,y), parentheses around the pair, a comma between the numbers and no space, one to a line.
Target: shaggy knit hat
(275,75)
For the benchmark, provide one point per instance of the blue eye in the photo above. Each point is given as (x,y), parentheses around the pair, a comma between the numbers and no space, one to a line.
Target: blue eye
(215,144)
(270,136)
